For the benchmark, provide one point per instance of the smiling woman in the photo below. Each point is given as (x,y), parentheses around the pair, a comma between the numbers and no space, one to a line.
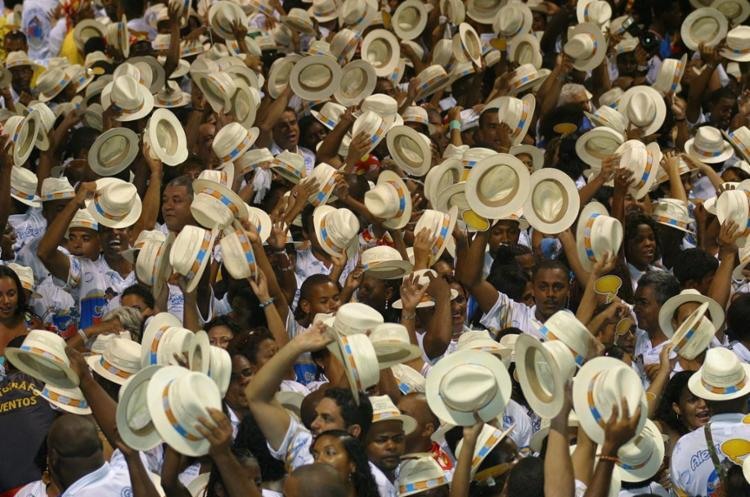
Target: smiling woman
(12,307)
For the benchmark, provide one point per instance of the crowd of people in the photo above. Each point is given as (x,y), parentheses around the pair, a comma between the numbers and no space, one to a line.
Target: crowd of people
(364,248)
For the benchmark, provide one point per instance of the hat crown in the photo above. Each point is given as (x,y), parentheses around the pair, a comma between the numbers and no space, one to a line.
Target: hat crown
(380,253)
(126,93)
(580,46)
(569,330)
(510,19)
(641,448)
(356,318)
(23,180)
(563,358)
(188,396)
(611,386)
(380,104)
(186,247)
(228,139)
(468,387)
(117,197)
(612,117)
(382,201)
(598,11)
(47,341)
(128,69)
(673,210)
(123,354)
(721,369)
(708,138)
(414,473)
(739,38)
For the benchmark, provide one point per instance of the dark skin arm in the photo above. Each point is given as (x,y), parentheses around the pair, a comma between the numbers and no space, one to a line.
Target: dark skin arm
(462,476)
(712,58)
(152,199)
(170,470)
(139,478)
(173,53)
(271,116)
(439,328)
(558,465)
(6,166)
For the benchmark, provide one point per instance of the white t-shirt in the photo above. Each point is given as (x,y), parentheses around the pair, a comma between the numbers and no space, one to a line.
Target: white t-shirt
(27,226)
(508,313)
(111,479)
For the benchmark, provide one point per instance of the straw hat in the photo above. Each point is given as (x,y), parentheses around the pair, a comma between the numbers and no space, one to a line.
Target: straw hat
(670,74)
(564,326)
(694,334)
(220,368)
(453,10)
(166,137)
(351,319)
(357,355)
(325,175)
(740,140)
(417,475)
(600,385)
(488,439)
(704,25)
(381,49)
(51,82)
(734,205)
(19,58)
(481,340)
(738,42)
(163,337)
(409,380)
(176,398)
(329,114)
(442,176)
(390,200)
(543,369)
(466,384)
(736,11)
(344,45)
(470,42)
(516,113)
(22,136)
(26,276)
(324,10)
(553,202)
(222,15)
(392,345)
(440,225)
(215,205)
(120,360)
(171,96)
(315,77)
(431,79)
(290,166)
(116,203)
(152,262)
(722,376)
(513,19)
(673,213)
(668,309)
(385,263)
(643,160)
(597,144)
(218,88)
(597,234)
(23,184)
(133,419)
(410,150)
(597,12)
(358,80)
(373,126)
(483,11)
(46,120)
(497,186)
(641,458)
(609,117)
(278,74)
(130,99)
(299,20)
(191,252)
(611,97)
(409,19)
(523,78)
(113,151)
(151,66)
(237,253)
(708,146)
(42,356)
(66,399)
(383,409)
(336,229)
(586,46)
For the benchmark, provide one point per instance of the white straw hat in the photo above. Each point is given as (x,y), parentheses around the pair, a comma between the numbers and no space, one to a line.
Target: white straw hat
(587,46)
(708,146)
(23,135)
(134,423)
(597,144)
(431,79)
(738,43)
(324,10)
(488,439)
(150,66)
(237,253)
(420,474)
(381,49)
(222,14)
(390,200)
(705,25)
(410,150)
(523,78)
(409,380)
(606,116)
(392,345)
(440,225)
(470,42)
(513,19)
(721,377)
(740,140)
(602,384)
(290,166)
(694,334)
(116,203)
(299,20)
(325,175)
(736,11)
(358,80)
(553,202)
(23,184)
(176,398)
(670,74)
(442,176)
(315,77)
(220,368)
(66,399)
(641,458)
(191,252)
(166,137)
(42,356)
(26,276)
(329,115)
(162,337)
(643,160)
(564,326)
(597,234)
(218,88)
(597,12)
(483,11)
(383,409)
(517,113)
(673,213)
(113,151)
(152,262)
(336,229)
(385,263)
(524,49)
(120,360)
(466,384)
(360,362)
(278,74)
(130,99)
(497,186)
(51,82)
(409,19)
(734,205)
(543,370)
(373,126)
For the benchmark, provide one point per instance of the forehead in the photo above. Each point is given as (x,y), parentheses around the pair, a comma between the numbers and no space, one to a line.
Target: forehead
(239,362)
(175,190)
(327,406)
(386,428)
(645,292)
(551,274)
(326,289)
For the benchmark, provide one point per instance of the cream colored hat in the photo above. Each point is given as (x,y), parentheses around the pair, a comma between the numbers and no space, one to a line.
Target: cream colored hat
(670,75)
(597,144)
(191,252)
(116,203)
(708,146)
(245,104)
(410,150)
(470,42)
(344,45)
(329,114)
(25,275)
(736,11)
(390,200)
(609,117)
(315,77)
(488,439)
(587,46)
(299,20)
(440,225)
(497,186)
(704,25)
(409,19)
(152,264)
(381,49)
(221,16)
(431,79)
(740,139)
(385,263)
(218,88)
(694,334)
(640,459)
(358,80)
(237,253)
(171,96)
(113,151)
(409,380)
(278,74)
(523,78)
(324,10)
(483,11)
(564,326)
(383,409)
(66,399)
(670,307)
(360,362)
(51,83)
(23,184)
(325,175)
(133,420)
(42,356)
(166,137)
(643,160)
(120,360)
(738,43)
(215,205)
(673,213)
(336,229)
(417,475)
(290,166)
(553,202)
(597,234)
(513,19)
(597,12)
(130,99)
(734,205)
(722,376)
(516,113)
(453,10)
(373,126)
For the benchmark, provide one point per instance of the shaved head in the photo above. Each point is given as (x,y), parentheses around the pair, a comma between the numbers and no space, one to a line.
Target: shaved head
(315,479)
(74,436)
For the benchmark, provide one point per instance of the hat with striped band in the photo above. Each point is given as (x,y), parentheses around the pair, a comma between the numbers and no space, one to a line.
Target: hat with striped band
(325,175)
(597,234)
(329,114)
(358,80)
(390,200)
(392,345)
(171,96)
(431,79)
(488,439)
(344,45)
(564,326)
(374,126)
(737,46)
(408,379)
(51,83)
(70,400)
(586,46)
(115,204)
(42,356)
(119,361)
(721,377)
(215,206)
(673,213)
(524,77)
(513,19)
(157,334)
(82,219)
(440,225)
(641,458)
(133,419)
(694,334)
(237,253)
(385,263)
(23,183)
(708,146)
(740,139)
(542,370)
(602,384)
(644,107)
(497,186)
(23,136)
(129,99)
(152,262)
(606,116)
(643,160)
(290,166)
(357,355)
(113,151)
(670,74)
(176,398)
(315,77)
(735,205)
(516,113)
(419,475)
(25,275)
(383,409)
(232,143)
(191,252)
(335,229)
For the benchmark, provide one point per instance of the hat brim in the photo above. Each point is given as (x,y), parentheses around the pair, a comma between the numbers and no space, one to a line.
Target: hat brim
(726,152)
(490,410)
(181,152)
(415,30)
(158,74)
(693,43)
(412,168)
(740,148)
(670,307)
(349,99)
(549,407)
(199,352)
(95,365)
(219,99)
(381,34)
(392,352)
(581,383)
(695,385)
(588,210)
(198,485)
(600,51)
(281,67)
(42,368)
(438,177)
(466,33)
(487,206)
(389,270)
(80,411)
(146,107)
(146,438)
(297,80)
(567,215)
(517,41)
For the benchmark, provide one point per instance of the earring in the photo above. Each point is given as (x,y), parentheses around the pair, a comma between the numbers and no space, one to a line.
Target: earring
(387,305)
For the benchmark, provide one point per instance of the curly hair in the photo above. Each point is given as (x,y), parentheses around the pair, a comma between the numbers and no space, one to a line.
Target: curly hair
(671,395)
(361,478)
(250,437)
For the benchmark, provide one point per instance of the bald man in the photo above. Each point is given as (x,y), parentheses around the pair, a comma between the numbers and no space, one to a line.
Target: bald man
(420,440)
(315,479)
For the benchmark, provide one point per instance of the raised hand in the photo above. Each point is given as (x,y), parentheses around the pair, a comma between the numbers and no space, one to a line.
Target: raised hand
(217,430)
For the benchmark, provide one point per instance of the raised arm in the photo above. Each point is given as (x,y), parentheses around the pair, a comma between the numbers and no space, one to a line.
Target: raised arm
(271,116)
(152,198)
(721,284)
(558,465)
(439,328)
(462,476)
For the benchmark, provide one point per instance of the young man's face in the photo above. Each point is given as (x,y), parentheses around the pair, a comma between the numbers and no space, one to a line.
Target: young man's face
(327,417)
(386,443)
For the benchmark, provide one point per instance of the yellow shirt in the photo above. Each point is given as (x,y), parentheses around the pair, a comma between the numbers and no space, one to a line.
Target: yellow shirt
(69,50)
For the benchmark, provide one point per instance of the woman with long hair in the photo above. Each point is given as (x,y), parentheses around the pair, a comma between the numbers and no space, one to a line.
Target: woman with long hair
(13,307)
(680,411)
(347,455)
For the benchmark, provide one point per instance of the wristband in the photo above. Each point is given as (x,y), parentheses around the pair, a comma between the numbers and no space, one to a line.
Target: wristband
(609,458)
(409,317)
(265,304)
(455,124)
(83,335)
